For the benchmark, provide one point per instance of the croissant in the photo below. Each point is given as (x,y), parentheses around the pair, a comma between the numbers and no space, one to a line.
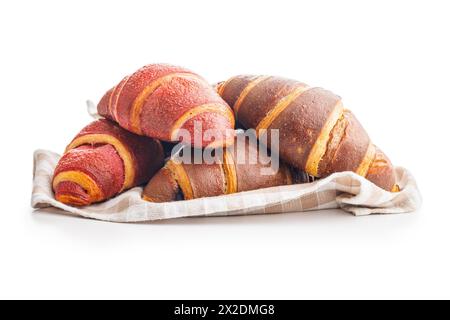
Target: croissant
(159,100)
(103,160)
(317,133)
(179,180)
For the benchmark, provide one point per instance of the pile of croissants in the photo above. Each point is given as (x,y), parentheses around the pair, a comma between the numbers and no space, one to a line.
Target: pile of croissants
(145,112)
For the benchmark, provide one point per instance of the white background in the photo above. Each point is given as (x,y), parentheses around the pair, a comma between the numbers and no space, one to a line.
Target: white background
(388,59)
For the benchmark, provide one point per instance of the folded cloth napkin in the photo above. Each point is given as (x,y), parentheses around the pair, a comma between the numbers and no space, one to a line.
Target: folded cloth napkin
(345,190)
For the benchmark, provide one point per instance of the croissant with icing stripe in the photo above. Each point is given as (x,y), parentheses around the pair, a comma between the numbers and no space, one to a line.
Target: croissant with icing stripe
(317,134)
(103,160)
(237,172)
(158,100)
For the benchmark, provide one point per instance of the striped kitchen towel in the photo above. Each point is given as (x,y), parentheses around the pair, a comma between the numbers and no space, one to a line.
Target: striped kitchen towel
(345,190)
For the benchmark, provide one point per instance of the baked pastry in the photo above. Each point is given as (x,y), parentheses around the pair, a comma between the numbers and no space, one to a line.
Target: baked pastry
(241,167)
(317,133)
(103,160)
(159,100)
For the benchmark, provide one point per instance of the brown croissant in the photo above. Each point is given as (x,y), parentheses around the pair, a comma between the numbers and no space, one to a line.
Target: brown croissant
(102,161)
(317,134)
(177,180)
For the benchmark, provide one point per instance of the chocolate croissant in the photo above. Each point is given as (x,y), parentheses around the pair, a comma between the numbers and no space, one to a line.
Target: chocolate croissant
(103,160)
(236,172)
(317,133)
(159,100)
